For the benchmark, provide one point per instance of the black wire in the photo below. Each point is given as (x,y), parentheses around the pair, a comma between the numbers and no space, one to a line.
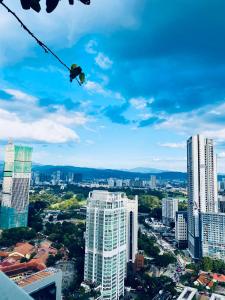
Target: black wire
(40,43)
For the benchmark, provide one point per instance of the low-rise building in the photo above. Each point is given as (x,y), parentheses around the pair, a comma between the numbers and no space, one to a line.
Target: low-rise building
(139,260)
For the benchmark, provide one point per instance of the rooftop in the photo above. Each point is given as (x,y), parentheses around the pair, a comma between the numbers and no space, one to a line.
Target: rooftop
(36,277)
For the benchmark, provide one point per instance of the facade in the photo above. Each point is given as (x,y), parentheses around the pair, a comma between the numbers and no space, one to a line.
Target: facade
(132,228)
(16,184)
(169,209)
(202,187)
(181,229)
(105,243)
(213,237)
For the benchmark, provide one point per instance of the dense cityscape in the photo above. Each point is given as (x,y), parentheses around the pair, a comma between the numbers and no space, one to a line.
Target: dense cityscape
(112,160)
(113,238)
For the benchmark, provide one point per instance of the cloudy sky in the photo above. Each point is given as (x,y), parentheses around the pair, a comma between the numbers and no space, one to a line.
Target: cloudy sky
(155,75)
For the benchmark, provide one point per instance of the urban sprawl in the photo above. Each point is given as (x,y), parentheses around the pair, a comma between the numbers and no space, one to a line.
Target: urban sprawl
(69,234)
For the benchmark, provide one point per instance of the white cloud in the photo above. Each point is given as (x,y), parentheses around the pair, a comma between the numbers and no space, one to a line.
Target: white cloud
(173,145)
(18,95)
(69,118)
(218,134)
(141,103)
(103,61)
(95,88)
(90,47)
(23,119)
(43,130)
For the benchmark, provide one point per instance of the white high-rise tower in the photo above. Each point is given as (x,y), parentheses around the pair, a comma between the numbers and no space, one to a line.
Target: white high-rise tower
(106,242)
(202,187)
(110,240)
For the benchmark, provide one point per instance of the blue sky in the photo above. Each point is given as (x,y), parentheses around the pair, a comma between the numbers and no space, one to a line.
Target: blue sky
(155,75)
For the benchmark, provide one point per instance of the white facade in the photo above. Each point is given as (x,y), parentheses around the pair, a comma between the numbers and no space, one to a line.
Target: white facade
(169,209)
(181,228)
(106,242)
(132,229)
(202,187)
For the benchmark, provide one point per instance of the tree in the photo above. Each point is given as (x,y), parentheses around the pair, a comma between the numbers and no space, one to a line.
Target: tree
(12,236)
(207,264)
(164,260)
(51,218)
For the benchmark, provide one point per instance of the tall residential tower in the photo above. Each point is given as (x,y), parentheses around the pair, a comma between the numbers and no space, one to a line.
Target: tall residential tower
(202,187)
(16,183)
(110,241)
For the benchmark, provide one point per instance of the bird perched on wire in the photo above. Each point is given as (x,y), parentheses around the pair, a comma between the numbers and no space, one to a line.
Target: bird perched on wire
(50,4)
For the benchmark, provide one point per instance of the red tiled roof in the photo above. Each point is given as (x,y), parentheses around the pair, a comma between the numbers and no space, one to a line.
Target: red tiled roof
(23,248)
(219,277)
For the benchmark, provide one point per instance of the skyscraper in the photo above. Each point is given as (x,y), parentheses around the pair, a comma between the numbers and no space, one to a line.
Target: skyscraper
(105,242)
(132,228)
(202,187)
(16,183)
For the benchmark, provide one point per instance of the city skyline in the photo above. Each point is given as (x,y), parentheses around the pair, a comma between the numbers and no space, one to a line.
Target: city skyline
(150,110)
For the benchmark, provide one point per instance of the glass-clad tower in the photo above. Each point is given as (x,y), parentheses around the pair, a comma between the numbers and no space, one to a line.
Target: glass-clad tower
(16,183)
(105,245)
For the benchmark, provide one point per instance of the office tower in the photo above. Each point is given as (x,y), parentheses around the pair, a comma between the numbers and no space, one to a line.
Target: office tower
(105,243)
(16,183)
(132,229)
(181,229)
(202,187)
(169,209)
(153,182)
(212,235)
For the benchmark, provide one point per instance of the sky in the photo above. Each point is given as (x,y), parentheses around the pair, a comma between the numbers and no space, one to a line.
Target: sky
(155,75)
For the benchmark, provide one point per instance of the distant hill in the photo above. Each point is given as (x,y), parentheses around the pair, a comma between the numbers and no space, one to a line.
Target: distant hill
(146,170)
(92,173)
